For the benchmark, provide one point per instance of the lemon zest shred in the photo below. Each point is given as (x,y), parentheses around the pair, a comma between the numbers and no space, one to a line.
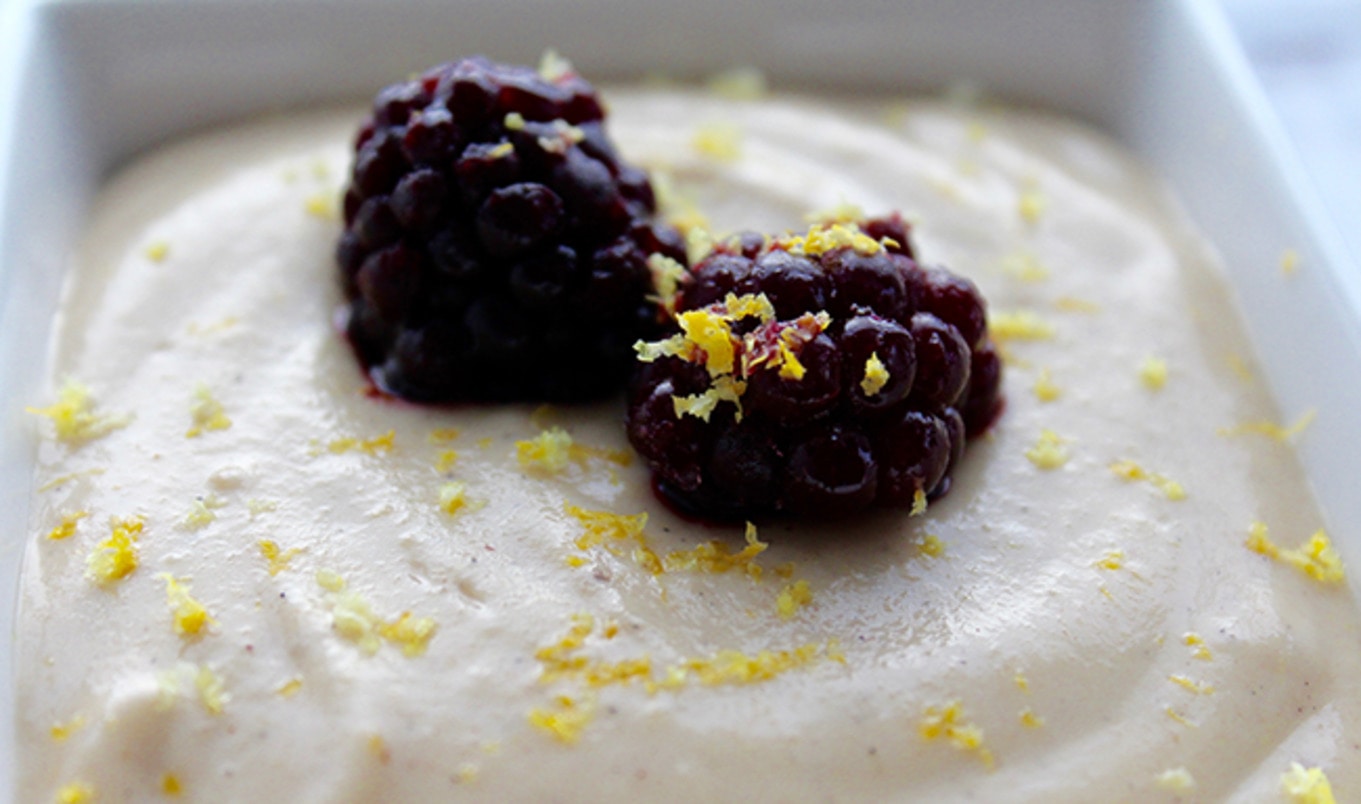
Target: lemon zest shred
(115,558)
(278,559)
(947,722)
(1048,453)
(190,616)
(792,598)
(67,527)
(74,417)
(876,375)
(1307,785)
(1316,558)
(1270,429)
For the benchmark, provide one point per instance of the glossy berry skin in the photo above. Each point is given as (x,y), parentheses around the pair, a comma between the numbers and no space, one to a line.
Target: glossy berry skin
(495,246)
(893,378)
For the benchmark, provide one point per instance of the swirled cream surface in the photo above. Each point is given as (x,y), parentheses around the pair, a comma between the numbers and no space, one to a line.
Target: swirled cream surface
(247,578)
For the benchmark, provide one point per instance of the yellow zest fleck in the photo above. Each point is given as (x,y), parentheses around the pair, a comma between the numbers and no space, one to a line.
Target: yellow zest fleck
(1270,429)
(170,785)
(1315,558)
(61,731)
(549,452)
(371,446)
(1191,685)
(1131,471)
(739,83)
(876,375)
(211,692)
(201,512)
(1031,720)
(410,633)
(702,405)
(74,418)
(1045,389)
(1307,785)
(710,332)
(792,598)
(443,435)
(514,121)
(1200,650)
(205,413)
(824,237)
(1022,683)
(947,722)
(844,212)
(1239,366)
(667,275)
(452,497)
(501,151)
(1176,780)
(1153,373)
(190,616)
(75,793)
(718,140)
(714,557)
(1073,304)
(289,688)
(257,507)
(1113,560)
(157,251)
(919,503)
(116,557)
(322,205)
(67,528)
(467,773)
(553,67)
(1025,268)
(735,667)
(606,528)
(933,546)
(1018,325)
(1180,718)
(566,721)
(278,559)
(1290,261)
(1048,453)
(1031,205)
(378,748)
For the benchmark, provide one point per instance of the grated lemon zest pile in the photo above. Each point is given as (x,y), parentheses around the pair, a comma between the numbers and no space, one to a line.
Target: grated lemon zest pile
(190,616)
(206,413)
(933,546)
(61,731)
(116,557)
(919,503)
(1315,558)
(201,512)
(1018,325)
(278,559)
(667,275)
(446,460)
(792,598)
(74,418)
(1307,785)
(1031,720)
(1153,373)
(75,793)
(566,720)
(1048,453)
(371,446)
(1045,389)
(412,634)
(553,67)
(824,237)
(549,452)
(947,722)
(67,527)
(354,619)
(1176,780)
(714,557)
(452,497)
(718,140)
(876,375)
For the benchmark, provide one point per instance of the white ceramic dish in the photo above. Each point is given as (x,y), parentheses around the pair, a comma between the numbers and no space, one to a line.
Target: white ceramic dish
(87,84)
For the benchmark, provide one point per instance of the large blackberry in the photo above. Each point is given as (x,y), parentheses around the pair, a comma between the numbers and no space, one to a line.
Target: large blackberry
(817,374)
(495,245)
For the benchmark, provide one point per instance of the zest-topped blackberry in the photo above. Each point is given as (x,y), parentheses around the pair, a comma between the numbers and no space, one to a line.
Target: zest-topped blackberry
(496,247)
(818,374)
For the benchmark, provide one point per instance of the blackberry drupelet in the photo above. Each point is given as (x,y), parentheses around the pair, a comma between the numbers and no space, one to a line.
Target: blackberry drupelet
(817,375)
(496,248)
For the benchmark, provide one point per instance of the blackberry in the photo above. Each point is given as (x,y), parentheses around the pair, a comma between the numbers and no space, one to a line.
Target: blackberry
(496,247)
(814,375)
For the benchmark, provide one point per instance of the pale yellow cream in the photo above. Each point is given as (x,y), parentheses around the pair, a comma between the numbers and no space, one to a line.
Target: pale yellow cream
(319,595)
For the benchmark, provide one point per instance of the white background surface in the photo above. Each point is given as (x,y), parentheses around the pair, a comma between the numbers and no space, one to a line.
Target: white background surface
(1307,55)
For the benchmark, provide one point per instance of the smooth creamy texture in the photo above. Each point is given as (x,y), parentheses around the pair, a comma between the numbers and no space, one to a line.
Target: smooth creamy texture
(1027,610)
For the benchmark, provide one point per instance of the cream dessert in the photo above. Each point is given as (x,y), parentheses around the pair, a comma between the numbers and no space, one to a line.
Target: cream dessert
(247,576)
